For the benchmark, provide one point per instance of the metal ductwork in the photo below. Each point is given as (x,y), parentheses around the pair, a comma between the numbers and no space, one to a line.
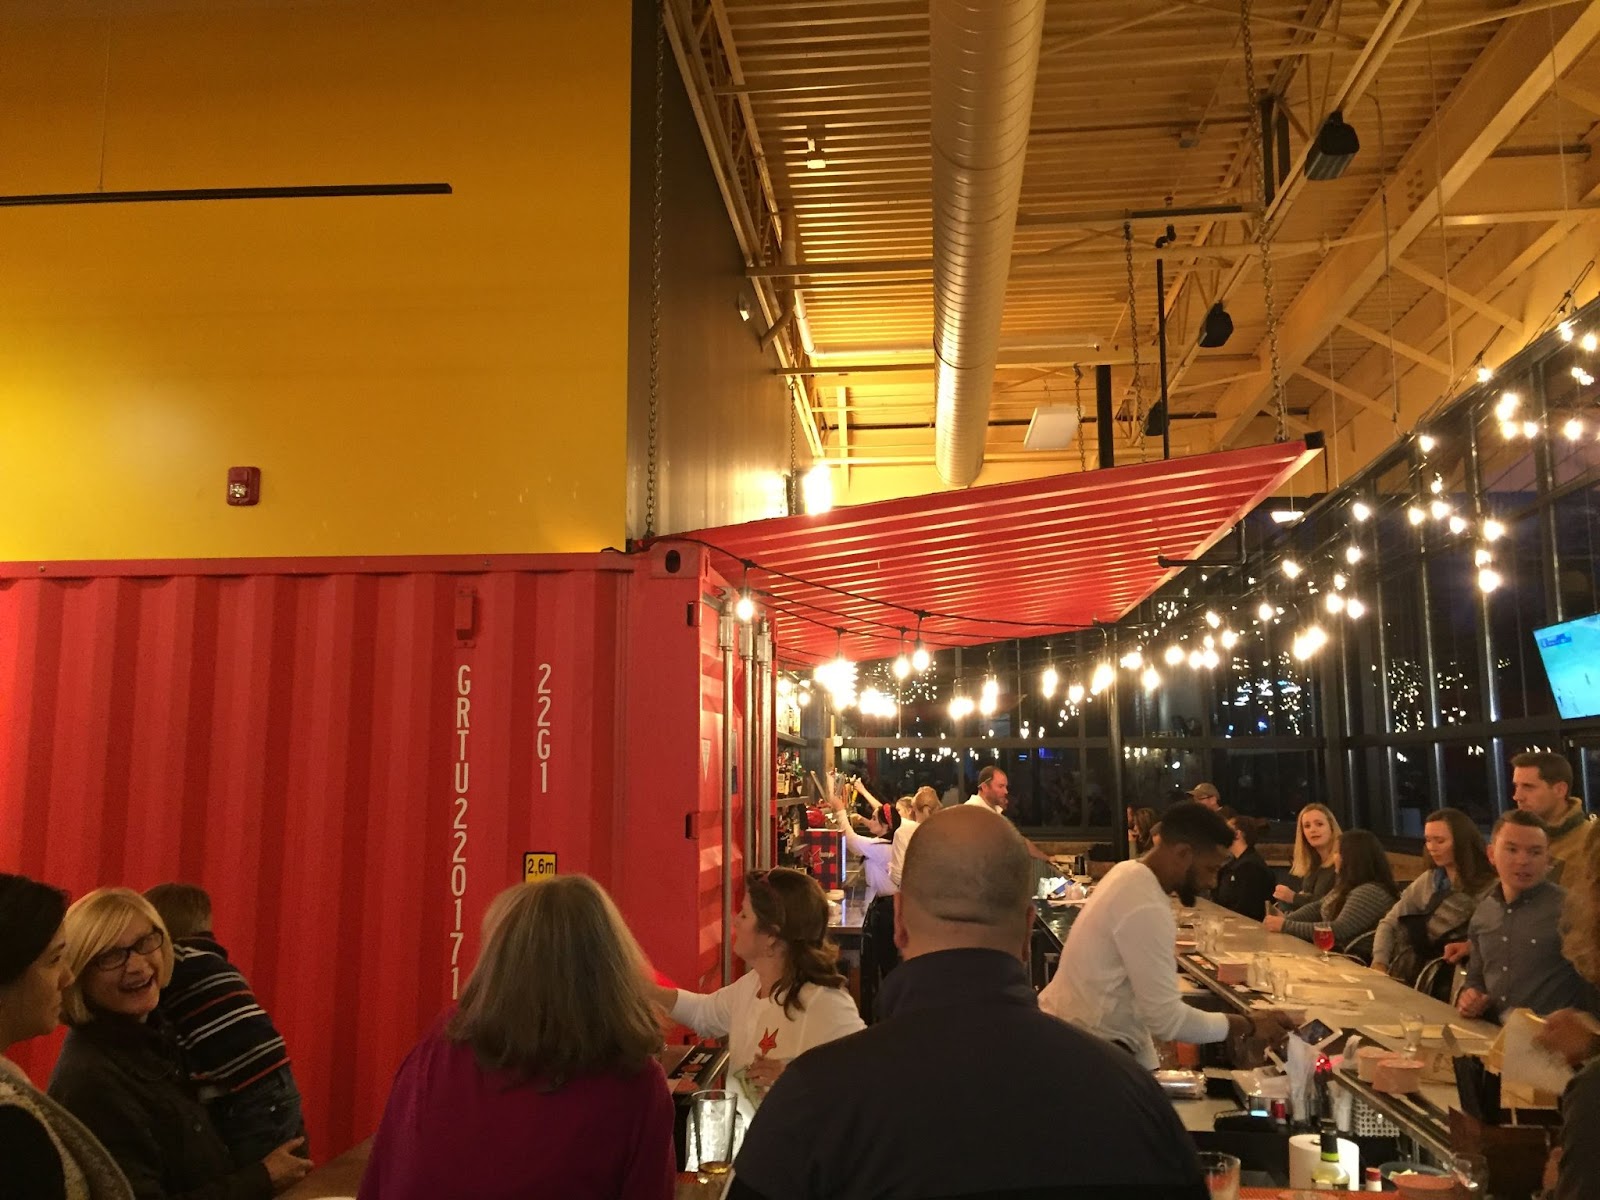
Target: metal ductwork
(985,58)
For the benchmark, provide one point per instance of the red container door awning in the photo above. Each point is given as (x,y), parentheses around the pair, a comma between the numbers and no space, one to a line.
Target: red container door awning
(1010,560)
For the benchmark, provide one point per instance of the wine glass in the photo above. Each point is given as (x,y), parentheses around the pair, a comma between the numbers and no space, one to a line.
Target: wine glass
(1322,938)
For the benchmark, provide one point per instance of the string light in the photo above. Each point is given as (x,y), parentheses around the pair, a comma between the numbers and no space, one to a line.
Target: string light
(1530,429)
(1151,678)
(1458,523)
(1507,405)
(1481,557)
(1334,602)
(1439,509)
(1360,510)
(1075,694)
(1229,639)
(1590,342)
(1102,678)
(1566,331)
(1266,612)
(1132,660)
(1354,608)
(902,664)
(1308,641)
(1573,429)
(1210,659)
(1437,486)
(1195,659)
(1213,620)
(1426,443)
(1049,681)
(1416,515)
(1493,530)
(1174,654)
(1488,579)
(1352,554)
(1484,374)
(1291,568)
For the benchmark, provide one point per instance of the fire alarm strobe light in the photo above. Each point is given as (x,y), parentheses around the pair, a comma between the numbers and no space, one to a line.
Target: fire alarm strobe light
(244,485)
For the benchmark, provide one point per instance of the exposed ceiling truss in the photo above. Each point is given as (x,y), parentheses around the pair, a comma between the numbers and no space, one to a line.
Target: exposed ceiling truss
(1469,211)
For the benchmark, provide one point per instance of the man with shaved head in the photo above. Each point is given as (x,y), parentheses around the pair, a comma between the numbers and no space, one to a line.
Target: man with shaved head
(1048,1112)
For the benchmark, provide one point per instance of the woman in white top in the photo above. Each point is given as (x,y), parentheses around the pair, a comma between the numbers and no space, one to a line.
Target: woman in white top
(791,999)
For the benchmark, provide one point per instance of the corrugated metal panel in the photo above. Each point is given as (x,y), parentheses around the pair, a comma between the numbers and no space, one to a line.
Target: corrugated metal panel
(1040,556)
(353,758)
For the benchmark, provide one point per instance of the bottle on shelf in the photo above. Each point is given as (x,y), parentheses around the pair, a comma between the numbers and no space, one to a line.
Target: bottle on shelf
(1329,1175)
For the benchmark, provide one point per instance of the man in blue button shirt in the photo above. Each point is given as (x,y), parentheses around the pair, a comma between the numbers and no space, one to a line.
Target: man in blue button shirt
(1516,932)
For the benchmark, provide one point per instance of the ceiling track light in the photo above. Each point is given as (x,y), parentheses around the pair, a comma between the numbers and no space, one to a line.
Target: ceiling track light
(1336,144)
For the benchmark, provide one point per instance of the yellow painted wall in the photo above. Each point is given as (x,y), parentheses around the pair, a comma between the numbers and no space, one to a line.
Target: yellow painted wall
(416,375)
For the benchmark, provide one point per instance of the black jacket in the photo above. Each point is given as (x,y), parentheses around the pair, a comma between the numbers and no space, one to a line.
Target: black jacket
(1245,885)
(1054,1113)
(125,1080)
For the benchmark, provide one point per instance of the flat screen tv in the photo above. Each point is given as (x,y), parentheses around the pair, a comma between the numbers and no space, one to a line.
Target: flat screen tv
(1571,654)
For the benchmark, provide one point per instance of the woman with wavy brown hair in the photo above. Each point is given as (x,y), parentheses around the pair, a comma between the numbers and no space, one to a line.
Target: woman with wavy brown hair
(792,997)
(543,1080)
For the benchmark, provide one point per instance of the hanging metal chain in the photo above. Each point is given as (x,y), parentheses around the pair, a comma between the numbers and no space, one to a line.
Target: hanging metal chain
(652,452)
(792,490)
(1133,329)
(1077,397)
(1264,225)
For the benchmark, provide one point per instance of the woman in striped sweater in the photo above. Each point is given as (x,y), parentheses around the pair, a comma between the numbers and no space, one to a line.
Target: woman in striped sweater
(1363,892)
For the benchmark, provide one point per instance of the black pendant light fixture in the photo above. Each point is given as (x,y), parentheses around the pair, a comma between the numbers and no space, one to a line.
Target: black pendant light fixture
(1335,145)
(1216,328)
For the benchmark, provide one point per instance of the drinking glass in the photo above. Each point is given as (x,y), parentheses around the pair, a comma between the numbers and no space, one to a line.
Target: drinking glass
(1221,1173)
(1280,985)
(1261,972)
(716,1131)
(1322,938)
(1411,1031)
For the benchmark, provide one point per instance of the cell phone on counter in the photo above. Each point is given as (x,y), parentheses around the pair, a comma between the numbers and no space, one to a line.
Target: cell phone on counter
(1321,1035)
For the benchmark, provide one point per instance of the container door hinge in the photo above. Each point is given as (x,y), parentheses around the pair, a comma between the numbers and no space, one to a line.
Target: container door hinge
(466,619)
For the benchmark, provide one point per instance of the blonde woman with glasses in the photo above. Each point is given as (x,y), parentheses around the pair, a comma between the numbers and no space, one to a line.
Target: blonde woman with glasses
(543,1080)
(120,1071)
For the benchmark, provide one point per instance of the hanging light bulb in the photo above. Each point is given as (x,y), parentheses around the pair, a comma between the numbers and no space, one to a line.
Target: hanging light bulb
(1075,694)
(1049,681)
(1266,611)
(1566,331)
(1334,602)
(1506,405)
(902,667)
(1426,443)
(1439,509)
(1488,579)
(1102,678)
(1361,510)
(1151,679)
(1437,486)
(1484,374)
(920,659)
(1213,620)
(1510,430)
(1481,557)
(1354,608)
(1229,639)
(1458,523)
(1132,660)
(1530,429)
(1416,515)
(1209,660)
(1208,641)
(785,686)
(1589,342)
(1572,430)
(987,703)
(1291,568)
(1339,582)
(1195,659)
(1352,554)
(1493,530)
(1174,654)
(744,607)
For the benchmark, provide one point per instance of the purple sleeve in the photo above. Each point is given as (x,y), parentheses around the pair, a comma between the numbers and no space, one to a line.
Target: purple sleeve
(652,1170)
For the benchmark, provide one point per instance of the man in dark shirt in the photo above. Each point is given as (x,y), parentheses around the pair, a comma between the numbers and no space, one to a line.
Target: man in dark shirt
(1515,933)
(1053,1113)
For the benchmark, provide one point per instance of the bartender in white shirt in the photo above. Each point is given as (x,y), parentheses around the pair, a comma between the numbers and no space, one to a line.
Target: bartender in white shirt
(1117,978)
(994,793)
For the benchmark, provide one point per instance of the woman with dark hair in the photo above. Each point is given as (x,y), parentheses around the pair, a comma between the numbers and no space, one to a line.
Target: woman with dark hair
(791,999)
(542,1081)
(46,1153)
(1362,892)
(1435,909)
(1140,822)
(1245,884)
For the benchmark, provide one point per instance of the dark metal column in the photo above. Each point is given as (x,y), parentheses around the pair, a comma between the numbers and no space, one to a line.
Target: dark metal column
(1105,417)
(1161,350)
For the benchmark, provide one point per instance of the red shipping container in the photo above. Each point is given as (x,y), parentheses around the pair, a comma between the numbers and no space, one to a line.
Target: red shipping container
(354,756)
